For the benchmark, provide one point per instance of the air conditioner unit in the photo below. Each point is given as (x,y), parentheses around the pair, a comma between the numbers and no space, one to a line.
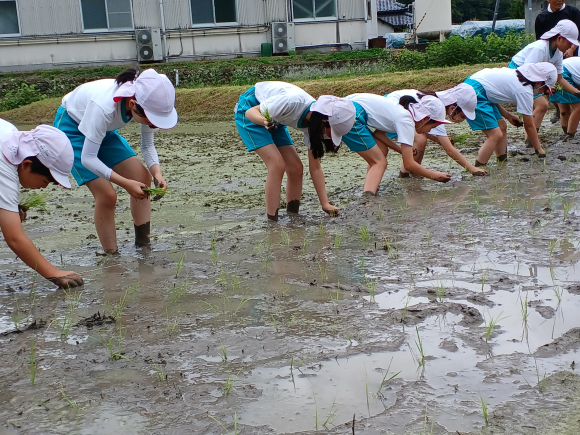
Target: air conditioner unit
(283,38)
(149,47)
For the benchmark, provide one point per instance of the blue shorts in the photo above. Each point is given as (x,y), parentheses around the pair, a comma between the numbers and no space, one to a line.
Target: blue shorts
(114,148)
(359,138)
(564,97)
(253,135)
(513,65)
(486,113)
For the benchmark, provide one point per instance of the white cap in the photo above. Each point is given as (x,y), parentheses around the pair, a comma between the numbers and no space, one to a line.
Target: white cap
(155,94)
(566,29)
(431,107)
(540,72)
(463,95)
(50,145)
(341,115)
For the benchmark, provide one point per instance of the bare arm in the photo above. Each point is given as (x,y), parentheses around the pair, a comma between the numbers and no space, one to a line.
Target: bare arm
(23,247)
(255,115)
(317,175)
(456,155)
(566,85)
(415,168)
(381,136)
(532,133)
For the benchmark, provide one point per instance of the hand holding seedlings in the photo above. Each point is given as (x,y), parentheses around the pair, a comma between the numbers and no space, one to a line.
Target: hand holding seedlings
(270,124)
(156,192)
(33,200)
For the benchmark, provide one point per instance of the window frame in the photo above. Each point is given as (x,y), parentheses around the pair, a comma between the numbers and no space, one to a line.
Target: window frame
(107,30)
(13,35)
(315,19)
(214,24)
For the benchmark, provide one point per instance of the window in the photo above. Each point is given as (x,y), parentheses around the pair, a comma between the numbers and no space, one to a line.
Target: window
(8,18)
(107,14)
(314,9)
(213,11)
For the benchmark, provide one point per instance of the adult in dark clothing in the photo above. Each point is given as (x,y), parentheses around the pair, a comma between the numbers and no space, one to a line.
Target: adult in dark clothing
(556,11)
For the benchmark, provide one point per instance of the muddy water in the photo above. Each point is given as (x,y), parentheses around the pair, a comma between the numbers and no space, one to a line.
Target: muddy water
(405,312)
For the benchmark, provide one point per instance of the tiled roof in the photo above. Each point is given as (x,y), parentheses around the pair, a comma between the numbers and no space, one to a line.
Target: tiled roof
(390,6)
(397,19)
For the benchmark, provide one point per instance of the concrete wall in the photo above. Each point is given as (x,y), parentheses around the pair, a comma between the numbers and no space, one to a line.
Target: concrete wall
(436,15)
(385,28)
(52,33)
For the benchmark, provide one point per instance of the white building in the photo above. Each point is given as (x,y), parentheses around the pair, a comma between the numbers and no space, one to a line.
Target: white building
(68,33)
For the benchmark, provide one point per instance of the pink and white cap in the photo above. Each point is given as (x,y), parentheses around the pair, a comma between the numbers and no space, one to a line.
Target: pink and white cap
(431,107)
(540,72)
(155,94)
(48,144)
(566,29)
(341,115)
(463,95)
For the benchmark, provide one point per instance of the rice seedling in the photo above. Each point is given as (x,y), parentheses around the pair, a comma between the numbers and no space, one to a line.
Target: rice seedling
(525,314)
(364,234)
(420,356)
(34,200)
(67,399)
(242,302)
(223,427)
(428,236)
(338,240)
(32,363)
(176,292)
(367,390)
(223,354)
(159,373)
(542,381)
(491,324)
(380,213)
(285,237)
(371,287)
(315,411)
(155,192)
(170,325)
(484,410)
(274,323)
(552,246)
(483,280)
(558,292)
(228,385)
(334,299)
(390,249)
(321,228)
(116,309)
(323,268)
(235,282)
(179,265)
(440,290)
(332,414)
(386,379)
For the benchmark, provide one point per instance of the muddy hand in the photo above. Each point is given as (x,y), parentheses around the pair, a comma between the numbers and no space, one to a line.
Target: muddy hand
(442,177)
(21,213)
(480,173)
(272,126)
(515,121)
(331,210)
(159,182)
(71,279)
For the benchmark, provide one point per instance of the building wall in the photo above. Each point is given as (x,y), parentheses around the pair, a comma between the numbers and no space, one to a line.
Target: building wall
(52,33)
(385,28)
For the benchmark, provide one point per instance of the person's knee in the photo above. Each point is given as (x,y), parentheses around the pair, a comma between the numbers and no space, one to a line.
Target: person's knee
(497,134)
(276,166)
(542,105)
(106,198)
(294,168)
(144,176)
(502,128)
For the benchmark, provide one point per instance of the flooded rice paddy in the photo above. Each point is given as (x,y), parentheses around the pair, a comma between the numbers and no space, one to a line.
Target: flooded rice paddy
(430,309)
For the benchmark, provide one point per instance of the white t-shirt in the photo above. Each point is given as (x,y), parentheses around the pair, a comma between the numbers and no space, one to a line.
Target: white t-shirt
(572,64)
(285,103)
(386,114)
(9,182)
(539,51)
(437,131)
(503,87)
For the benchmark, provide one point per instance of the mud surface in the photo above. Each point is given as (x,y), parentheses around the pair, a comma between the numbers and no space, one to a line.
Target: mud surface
(406,311)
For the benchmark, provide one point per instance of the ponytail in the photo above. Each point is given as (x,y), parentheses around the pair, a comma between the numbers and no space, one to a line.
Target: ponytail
(318,145)
(127,76)
(406,101)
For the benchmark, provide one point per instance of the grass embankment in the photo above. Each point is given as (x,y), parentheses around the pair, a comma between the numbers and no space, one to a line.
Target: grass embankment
(217,103)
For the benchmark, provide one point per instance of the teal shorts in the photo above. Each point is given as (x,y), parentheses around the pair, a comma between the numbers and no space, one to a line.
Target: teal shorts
(114,148)
(359,138)
(486,113)
(564,97)
(253,135)
(513,65)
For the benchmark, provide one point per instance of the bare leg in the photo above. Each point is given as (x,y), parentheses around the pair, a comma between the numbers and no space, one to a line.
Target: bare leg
(276,167)
(541,106)
(133,169)
(105,201)
(501,147)
(574,119)
(376,169)
(565,110)
(494,137)
(294,171)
